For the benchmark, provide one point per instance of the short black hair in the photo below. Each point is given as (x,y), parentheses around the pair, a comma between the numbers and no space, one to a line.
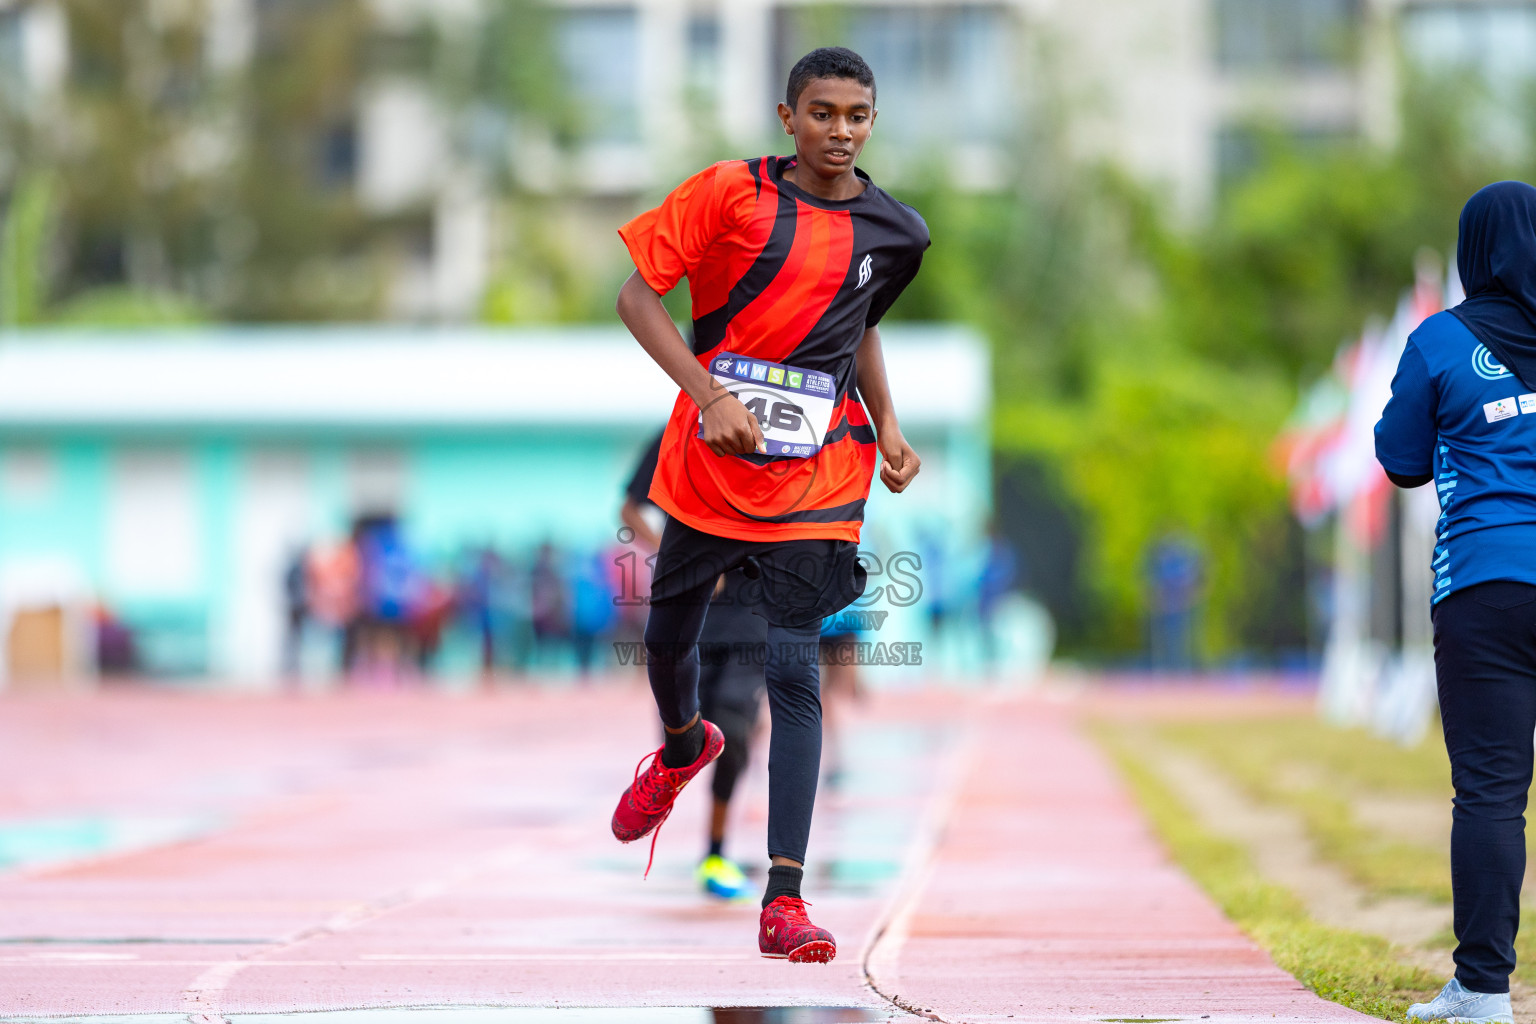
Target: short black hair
(827,62)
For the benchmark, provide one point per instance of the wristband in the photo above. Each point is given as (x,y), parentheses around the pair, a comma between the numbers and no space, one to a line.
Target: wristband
(705,408)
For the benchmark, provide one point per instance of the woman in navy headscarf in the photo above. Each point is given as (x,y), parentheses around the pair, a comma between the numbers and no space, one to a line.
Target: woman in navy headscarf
(1463,413)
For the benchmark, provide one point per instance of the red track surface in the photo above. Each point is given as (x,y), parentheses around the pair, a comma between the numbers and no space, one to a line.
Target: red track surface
(413,850)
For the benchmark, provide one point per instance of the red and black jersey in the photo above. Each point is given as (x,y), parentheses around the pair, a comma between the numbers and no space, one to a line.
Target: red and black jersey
(780,275)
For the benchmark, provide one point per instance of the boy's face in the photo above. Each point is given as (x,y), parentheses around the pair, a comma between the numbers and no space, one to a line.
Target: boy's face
(830,123)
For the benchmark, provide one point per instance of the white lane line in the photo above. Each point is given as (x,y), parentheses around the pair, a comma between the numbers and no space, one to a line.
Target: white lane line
(881,956)
(385,960)
(561,957)
(95,957)
(200,1000)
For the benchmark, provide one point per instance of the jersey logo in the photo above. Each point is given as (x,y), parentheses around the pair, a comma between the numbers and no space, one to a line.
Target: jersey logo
(1486,366)
(1503,409)
(866,271)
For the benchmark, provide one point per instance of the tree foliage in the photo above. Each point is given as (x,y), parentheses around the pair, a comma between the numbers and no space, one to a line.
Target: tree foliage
(1149,366)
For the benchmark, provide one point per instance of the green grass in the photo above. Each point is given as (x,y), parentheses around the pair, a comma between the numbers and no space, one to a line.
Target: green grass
(1267,757)
(1318,772)
(1355,757)
(1356,970)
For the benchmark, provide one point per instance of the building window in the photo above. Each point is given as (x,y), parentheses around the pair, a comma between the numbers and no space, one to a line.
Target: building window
(1495,41)
(1489,46)
(1286,35)
(338,155)
(599,50)
(13,67)
(1240,146)
(703,53)
(941,73)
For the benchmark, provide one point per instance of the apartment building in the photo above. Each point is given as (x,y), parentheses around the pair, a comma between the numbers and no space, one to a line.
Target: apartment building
(1169,89)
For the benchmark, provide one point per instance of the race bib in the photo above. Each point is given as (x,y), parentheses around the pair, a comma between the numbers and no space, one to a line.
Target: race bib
(793,406)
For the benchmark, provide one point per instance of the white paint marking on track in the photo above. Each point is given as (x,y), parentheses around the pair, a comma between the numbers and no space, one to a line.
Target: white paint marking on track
(382,960)
(202,1000)
(688,956)
(92,957)
(881,956)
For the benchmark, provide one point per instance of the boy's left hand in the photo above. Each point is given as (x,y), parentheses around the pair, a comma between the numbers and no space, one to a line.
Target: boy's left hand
(899,463)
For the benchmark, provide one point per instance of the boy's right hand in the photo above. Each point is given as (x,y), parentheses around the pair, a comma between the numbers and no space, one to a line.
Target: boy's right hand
(729,429)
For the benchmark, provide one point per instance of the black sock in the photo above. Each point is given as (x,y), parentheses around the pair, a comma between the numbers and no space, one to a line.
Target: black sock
(717,847)
(783,880)
(683,748)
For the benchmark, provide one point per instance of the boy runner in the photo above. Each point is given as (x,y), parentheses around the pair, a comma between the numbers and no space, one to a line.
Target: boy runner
(766,461)
(730,678)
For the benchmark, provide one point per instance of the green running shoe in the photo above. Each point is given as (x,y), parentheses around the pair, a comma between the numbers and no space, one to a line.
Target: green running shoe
(721,878)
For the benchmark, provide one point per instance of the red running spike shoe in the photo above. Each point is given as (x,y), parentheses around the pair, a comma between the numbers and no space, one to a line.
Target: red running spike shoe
(785,933)
(648,800)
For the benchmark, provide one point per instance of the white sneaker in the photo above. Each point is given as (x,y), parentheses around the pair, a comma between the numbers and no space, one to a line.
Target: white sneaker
(1457,1005)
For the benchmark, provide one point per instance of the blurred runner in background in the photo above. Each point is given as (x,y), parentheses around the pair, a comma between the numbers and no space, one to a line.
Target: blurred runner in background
(839,687)
(731,684)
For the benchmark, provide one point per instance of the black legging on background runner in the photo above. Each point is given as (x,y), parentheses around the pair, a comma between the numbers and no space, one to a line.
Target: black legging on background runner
(794,701)
(1485,664)
(729,695)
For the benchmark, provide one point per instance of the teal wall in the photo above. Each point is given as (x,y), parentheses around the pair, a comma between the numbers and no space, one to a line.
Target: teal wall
(510,487)
(519,489)
(64,519)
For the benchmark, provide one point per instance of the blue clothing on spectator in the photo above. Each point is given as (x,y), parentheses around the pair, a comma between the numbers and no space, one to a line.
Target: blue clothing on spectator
(1463,410)
(592,595)
(1459,415)
(389,572)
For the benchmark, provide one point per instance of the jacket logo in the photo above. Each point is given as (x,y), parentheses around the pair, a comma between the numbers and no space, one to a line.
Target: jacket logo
(866,271)
(1486,366)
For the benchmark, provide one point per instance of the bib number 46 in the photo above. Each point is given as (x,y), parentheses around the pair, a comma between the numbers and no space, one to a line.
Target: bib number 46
(779,415)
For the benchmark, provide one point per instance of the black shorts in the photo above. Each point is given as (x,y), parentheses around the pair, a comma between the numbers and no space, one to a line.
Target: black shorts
(802,581)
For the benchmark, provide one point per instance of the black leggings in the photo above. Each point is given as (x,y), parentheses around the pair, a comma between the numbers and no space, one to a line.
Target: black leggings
(730,701)
(794,701)
(1485,666)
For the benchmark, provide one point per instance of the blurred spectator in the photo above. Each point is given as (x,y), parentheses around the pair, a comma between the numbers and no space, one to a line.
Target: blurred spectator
(116,654)
(296,606)
(481,602)
(334,580)
(593,612)
(999,576)
(1175,579)
(395,613)
(548,603)
(390,581)
(931,549)
(431,609)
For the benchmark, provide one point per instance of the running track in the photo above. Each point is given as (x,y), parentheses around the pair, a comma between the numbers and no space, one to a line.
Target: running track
(980,862)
